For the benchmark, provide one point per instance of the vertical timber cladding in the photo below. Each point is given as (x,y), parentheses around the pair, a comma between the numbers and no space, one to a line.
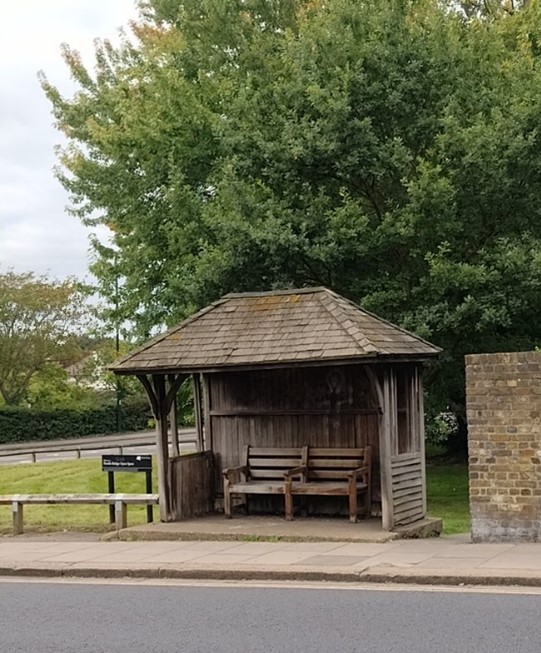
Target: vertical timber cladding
(407,462)
(328,406)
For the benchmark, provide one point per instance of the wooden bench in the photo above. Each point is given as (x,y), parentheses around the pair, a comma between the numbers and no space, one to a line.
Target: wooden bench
(262,472)
(332,472)
(119,501)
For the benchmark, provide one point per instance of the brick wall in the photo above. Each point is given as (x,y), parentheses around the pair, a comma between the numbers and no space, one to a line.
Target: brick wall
(504,440)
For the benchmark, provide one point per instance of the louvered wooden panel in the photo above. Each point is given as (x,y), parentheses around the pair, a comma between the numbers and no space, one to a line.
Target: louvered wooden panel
(407,482)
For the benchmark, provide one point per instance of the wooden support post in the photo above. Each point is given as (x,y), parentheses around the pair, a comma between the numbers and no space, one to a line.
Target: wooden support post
(158,397)
(121,514)
(162,446)
(206,413)
(198,410)
(175,449)
(385,449)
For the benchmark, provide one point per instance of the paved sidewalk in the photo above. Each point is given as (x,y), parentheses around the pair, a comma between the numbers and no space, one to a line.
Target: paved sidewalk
(446,560)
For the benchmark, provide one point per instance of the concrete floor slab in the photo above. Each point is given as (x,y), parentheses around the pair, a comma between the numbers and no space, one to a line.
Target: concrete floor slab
(262,527)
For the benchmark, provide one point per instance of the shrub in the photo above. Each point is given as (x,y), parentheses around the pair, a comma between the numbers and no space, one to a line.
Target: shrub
(19,424)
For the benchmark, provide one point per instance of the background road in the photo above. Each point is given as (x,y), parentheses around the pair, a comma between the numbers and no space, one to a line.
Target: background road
(62,618)
(66,449)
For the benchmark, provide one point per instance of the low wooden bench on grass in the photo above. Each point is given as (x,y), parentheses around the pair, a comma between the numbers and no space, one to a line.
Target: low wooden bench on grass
(119,501)
(332,472)
(262,472)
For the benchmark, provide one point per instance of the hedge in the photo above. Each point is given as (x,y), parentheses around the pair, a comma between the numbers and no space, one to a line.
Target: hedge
(27,424)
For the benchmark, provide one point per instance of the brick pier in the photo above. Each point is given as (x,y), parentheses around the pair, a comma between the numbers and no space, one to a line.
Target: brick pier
(504,426)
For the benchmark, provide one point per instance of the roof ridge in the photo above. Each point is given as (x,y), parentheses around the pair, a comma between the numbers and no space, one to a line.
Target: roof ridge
(338,297)
(263,293)
(382,319)
(349,335)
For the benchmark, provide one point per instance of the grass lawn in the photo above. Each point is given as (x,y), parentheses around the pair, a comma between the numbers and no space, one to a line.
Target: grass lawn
(447,487)
(447,492)
(70,477)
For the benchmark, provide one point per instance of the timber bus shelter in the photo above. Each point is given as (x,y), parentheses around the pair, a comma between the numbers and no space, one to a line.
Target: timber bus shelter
(291,368)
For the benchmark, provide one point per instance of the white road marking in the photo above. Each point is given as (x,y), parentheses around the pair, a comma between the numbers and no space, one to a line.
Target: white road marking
(246,584)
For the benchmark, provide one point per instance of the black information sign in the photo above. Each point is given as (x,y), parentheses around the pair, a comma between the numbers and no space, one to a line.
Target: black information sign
(125,463)
(117,463)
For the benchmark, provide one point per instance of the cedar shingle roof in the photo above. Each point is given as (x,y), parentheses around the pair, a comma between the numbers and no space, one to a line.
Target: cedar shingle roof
(293,326)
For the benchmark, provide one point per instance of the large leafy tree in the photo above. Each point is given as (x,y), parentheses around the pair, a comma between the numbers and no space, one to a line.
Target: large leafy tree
(386,148)
(39,323)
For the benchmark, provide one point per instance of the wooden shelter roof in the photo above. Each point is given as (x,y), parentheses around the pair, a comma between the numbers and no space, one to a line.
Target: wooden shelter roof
(303,326)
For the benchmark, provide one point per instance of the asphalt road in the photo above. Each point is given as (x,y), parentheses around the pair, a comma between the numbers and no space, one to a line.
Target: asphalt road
(91,453)
(62,618)
(131,443)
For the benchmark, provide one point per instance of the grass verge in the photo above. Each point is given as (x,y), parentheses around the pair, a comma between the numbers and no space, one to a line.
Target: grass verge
(69,477)
(447,494)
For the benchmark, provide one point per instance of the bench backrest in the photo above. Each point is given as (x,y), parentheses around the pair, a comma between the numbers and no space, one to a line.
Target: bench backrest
(270,463)
(325,464)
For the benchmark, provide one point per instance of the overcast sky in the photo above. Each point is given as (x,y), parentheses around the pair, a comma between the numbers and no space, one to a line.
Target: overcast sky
(36,233)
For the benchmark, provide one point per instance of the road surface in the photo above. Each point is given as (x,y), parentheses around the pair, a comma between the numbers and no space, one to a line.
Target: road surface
(23,452)
(141,618)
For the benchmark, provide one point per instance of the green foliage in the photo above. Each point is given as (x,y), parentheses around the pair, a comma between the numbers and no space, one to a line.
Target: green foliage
(51,388)
(39,321)
(27,424)
(389,150)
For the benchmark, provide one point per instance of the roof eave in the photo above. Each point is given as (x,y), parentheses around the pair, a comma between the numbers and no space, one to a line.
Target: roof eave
(348,360)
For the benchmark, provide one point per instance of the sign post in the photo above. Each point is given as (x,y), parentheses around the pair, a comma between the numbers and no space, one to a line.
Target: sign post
(124,463)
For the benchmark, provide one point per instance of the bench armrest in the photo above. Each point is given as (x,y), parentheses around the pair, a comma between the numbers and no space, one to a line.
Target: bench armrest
(301,470)
(360,471)
(235,472)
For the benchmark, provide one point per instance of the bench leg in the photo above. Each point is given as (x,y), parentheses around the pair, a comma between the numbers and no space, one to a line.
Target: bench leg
(353,502)
(288,501)
(227,500)
(17,510)
(121,515)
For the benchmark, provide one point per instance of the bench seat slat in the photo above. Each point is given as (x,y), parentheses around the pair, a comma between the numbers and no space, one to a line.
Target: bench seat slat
(327,474)
(324,489)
